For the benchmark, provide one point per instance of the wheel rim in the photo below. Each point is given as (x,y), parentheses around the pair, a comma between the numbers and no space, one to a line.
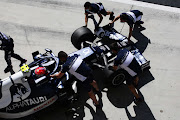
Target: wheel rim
(118,79)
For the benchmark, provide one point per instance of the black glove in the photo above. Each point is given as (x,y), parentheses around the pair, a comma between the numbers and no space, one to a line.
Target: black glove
(96,28)
(111,68)
(111,25)
(48,76)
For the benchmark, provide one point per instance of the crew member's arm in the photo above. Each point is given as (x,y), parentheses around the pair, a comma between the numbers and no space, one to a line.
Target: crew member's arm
(59,75)
(100,20)
(130,34)
(115,19)
(116,63)
(86,19)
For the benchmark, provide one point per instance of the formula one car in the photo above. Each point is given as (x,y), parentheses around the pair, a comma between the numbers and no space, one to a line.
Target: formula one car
(94,49)
(31,90)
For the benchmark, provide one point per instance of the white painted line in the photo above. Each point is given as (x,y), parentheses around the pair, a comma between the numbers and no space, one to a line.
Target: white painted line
(149,5)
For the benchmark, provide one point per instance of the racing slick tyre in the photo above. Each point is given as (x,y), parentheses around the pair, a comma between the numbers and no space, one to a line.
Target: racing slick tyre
(117,77)
(80,35)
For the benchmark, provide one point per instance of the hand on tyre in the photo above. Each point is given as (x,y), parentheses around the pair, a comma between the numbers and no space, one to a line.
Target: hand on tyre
(111,68)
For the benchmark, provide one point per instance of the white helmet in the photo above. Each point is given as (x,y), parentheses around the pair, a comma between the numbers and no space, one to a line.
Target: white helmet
(100,33)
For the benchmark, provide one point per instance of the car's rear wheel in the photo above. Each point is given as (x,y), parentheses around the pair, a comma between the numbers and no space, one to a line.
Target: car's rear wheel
(80,35)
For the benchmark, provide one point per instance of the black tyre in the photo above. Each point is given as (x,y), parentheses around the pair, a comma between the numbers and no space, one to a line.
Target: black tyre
(118,77)
(80,35)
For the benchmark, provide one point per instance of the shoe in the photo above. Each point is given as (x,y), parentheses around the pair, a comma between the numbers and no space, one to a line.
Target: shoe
(112,16)
(91,16)
(138,100)
(12,72)
(22,62)
(9,69)
(139,22)
(141,13)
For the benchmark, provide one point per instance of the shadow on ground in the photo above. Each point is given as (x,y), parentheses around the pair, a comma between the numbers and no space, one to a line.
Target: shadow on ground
(123,98)
(145,78)
(142,111)
(142,40)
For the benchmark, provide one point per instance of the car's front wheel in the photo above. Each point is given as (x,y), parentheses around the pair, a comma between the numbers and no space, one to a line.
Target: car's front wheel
(118,77)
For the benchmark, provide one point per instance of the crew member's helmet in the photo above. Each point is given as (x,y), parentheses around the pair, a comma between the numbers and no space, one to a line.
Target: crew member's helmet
(100,33)
(40,71)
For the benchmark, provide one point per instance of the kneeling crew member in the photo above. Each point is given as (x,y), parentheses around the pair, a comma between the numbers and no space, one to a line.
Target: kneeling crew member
(91,8)
(131,18)
(125,60)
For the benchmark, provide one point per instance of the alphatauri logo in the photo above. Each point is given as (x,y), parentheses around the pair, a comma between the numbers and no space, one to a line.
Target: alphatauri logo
(27,102)
(18,90)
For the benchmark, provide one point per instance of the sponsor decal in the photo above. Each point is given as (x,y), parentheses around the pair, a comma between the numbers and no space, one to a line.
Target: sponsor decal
(86,51)
(45,104)
(27,102)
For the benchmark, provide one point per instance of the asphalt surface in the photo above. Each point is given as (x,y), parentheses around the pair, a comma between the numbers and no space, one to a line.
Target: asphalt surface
(39,24)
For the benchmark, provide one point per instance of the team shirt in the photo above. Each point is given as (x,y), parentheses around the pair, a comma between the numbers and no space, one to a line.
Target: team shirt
(7,42)
(124,59)
(132,15)
(96,8)
(77,67)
